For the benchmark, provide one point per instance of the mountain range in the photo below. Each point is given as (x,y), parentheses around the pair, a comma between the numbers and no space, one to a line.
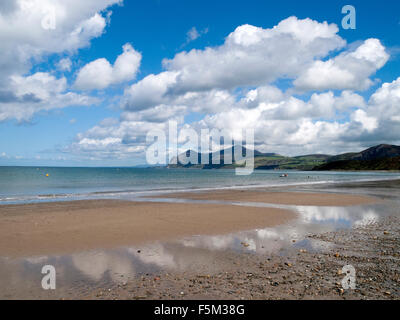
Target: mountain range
(381,157)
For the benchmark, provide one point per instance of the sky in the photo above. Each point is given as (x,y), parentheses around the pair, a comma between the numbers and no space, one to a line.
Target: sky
(83,82)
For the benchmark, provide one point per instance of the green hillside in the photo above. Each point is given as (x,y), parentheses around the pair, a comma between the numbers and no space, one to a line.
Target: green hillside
(262,161)
(354,165)
(307,162)
(381,157)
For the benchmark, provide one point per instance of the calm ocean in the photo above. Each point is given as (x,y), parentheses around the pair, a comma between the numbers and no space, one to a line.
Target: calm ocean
(30,184)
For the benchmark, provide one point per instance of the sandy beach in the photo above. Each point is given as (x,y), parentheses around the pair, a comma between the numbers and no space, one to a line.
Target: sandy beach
(284,198)
(107,240)
(63,227)
(294,274)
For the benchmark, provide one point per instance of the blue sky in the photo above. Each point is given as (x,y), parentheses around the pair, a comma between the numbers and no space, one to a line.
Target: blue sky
(158,29)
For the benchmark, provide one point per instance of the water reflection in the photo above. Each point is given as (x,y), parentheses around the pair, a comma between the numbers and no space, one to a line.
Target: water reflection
(95,265)
(348,216)
(21,278)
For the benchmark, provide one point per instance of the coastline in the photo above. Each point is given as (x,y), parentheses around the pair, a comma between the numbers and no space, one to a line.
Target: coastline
(67,191)
(276,197)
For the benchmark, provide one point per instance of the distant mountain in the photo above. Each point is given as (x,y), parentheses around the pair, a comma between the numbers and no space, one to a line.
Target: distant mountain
(198,156)
(354,165)
(265,161)
(381,157)
(278,162)
(377,152)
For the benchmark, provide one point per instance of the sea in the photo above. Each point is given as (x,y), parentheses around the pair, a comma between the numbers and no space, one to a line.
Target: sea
(44,184)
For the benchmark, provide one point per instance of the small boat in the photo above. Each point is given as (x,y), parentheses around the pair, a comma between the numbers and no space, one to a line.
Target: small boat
(285,175)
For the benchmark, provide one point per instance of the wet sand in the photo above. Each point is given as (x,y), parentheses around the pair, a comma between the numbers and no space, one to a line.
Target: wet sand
(65,227)
(291,273)
(283,198)
(373,250)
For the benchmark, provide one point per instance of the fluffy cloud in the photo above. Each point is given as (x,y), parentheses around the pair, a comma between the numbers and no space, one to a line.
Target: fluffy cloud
(263,94)
(382,115)
(368,123)
(281,122)
(234,86)
(274,104)
(349,70)
(23,36)
(38,92)
(208,80)
(385,102)
(100,74)
(254,56)
(294,126)
(113,139)
(250,56)
(31,30)
(149,92)
(154,90)
(161,113)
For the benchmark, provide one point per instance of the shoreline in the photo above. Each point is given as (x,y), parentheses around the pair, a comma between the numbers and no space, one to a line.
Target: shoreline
(293,198)
(161,193)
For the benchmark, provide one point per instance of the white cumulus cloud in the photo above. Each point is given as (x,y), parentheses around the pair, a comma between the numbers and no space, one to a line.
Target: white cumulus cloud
(32,30)
(99,74)
(349,70)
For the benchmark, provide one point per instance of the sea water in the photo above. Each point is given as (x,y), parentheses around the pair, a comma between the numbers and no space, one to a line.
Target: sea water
(33,184)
